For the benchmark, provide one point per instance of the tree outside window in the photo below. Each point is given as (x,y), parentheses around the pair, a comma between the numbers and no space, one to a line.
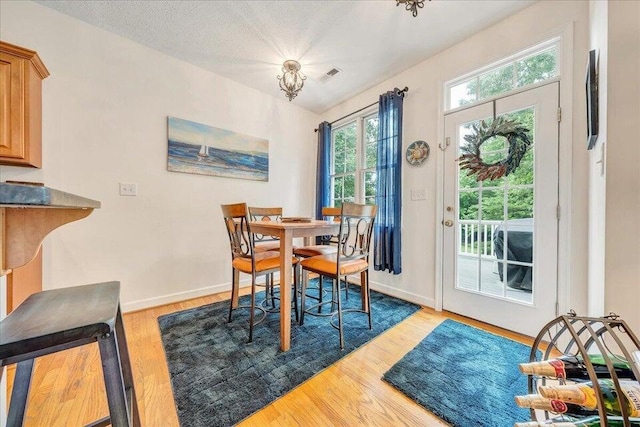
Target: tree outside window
(353,161)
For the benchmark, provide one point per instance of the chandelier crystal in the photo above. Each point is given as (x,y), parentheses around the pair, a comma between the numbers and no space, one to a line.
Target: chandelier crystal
(411,5)
(291,80)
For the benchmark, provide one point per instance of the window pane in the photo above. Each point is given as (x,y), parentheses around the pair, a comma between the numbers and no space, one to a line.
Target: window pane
(462,94)
(371,156)
(371,129)
(350,160)
(493,205)
(466,180)
(338,185)
(537,68)
(370,201)
(370,184)
(350,137)
(494,144)
(495,82)
(519,71)
(468,207)
(520,203)
(350,187)
(338,140)
(523,174)
(339,164)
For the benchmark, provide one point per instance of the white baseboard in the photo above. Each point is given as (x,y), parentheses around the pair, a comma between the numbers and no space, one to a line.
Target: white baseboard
(403,295)
(179,296)
(398,293)
(224,287)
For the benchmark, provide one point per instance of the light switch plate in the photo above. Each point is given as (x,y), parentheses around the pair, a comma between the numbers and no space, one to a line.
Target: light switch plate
(419,194)
(128,189)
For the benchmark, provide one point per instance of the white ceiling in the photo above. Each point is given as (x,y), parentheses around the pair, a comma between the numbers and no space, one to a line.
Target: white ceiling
(247,41)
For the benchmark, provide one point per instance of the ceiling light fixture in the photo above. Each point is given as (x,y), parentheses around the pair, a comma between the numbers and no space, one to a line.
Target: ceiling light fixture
(291,80)
(411,5)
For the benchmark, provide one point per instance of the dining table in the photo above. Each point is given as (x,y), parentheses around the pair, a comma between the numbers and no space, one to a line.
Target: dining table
(287,230)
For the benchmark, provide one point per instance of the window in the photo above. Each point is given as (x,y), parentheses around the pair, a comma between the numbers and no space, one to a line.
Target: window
(527,68)
(354,149)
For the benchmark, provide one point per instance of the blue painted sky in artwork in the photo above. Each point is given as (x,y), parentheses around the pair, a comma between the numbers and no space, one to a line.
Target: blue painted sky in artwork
(199,134)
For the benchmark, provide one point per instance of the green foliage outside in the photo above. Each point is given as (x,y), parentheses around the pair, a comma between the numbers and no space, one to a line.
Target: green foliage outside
(519,200)
(345,168)
(521,73)
(489,197)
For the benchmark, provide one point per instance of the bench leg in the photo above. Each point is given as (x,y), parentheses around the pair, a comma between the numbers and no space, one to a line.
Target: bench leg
(113,381)
(127,375)
(20,393)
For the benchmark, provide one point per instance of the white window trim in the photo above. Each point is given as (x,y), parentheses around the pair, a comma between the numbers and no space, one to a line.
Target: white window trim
(361,152)
(565,38)
(512,59)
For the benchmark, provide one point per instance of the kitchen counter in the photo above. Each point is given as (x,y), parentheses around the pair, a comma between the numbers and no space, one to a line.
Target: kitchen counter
(29,212)
(27,195)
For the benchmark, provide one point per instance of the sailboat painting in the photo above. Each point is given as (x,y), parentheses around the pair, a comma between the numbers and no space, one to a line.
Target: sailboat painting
(207,150)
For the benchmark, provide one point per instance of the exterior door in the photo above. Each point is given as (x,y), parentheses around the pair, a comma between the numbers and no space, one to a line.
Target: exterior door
(500,236)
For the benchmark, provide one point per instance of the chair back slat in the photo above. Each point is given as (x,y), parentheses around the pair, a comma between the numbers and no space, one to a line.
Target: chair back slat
(265,214)
(236,220)
(330,213)
(356,229)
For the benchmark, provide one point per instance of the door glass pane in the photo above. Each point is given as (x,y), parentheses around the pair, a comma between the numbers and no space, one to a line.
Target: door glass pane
(495,221)
(468,205)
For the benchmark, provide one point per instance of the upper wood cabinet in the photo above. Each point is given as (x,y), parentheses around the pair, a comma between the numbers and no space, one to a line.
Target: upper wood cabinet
(21,74)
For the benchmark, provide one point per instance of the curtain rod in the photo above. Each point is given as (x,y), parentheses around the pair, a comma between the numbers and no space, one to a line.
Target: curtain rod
(398,92)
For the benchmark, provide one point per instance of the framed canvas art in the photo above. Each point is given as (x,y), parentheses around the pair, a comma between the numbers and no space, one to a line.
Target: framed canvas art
(207,150)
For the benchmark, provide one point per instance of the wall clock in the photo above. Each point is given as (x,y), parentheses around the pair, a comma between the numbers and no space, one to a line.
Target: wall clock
(417,152)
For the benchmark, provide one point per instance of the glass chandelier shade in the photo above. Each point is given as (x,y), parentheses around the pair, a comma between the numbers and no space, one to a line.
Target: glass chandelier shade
(291,80)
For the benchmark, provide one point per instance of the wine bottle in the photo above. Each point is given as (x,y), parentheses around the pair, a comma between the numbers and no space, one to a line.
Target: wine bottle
(574,367)
(584,422)
(584,395)
(535,401)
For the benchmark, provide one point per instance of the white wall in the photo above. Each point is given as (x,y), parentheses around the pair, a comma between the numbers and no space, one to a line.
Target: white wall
(598,19)
(622,225)
(105,109)
(423,119)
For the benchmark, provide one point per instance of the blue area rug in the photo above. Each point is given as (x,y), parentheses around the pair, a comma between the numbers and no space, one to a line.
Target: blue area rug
(218,379)
(464,375)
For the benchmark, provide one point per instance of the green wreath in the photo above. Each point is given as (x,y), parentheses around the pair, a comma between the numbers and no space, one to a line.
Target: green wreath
(519,143)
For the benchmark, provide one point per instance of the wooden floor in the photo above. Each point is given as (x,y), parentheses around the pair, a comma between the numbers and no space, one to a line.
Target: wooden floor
(68,390)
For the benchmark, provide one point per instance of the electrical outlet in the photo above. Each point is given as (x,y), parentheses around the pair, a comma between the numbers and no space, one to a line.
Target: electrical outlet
(128,189)
(419,194)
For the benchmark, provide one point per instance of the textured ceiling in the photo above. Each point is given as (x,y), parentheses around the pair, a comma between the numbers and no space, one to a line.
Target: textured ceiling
(247,41)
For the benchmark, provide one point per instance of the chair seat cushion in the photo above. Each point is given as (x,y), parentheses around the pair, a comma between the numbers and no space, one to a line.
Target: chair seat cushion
(326,265)
(264,261)
(315,250)
(269,246)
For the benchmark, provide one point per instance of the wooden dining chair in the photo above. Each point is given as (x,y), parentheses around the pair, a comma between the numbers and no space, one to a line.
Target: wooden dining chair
(326,245)
(265,243)
(352,257)
(245,259)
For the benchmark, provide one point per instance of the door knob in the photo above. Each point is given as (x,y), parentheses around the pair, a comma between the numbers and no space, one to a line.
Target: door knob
(448,223)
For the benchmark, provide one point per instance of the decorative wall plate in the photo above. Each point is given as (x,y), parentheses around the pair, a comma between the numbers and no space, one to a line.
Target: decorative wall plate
(417,152)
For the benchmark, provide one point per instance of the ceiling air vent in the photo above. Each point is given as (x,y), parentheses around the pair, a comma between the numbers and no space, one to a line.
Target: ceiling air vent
(328,75)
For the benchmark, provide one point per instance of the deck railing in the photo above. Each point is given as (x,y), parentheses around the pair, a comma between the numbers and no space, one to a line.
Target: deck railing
(477,237)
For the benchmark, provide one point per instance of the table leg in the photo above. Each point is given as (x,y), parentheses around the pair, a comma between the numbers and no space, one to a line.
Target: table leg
(286,254)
